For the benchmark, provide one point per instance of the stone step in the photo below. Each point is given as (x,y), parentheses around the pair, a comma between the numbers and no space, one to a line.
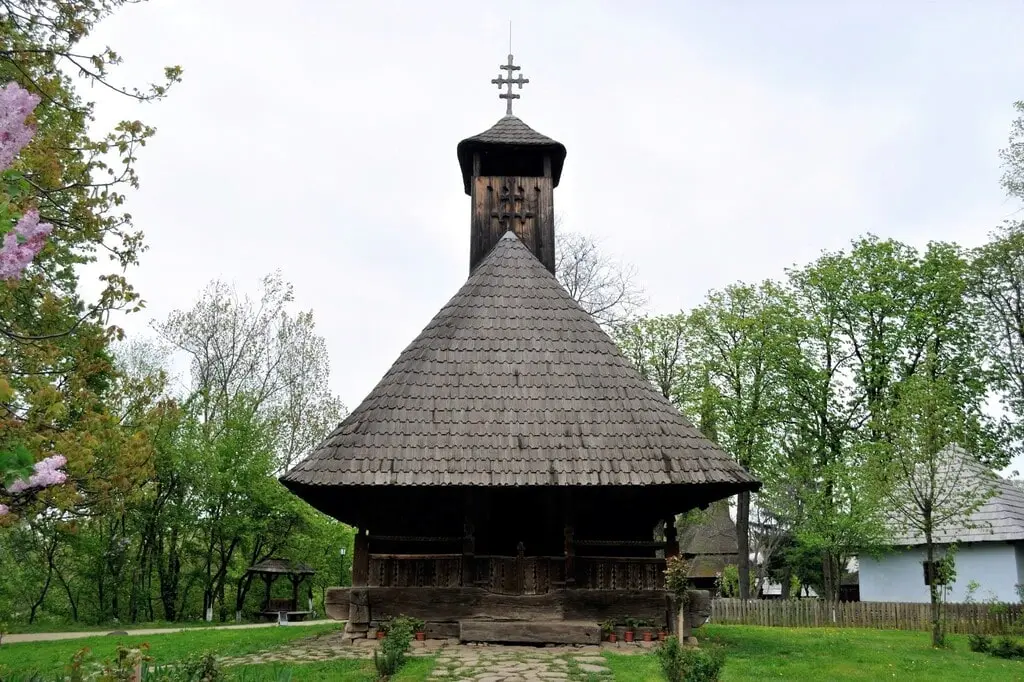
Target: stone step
(530,631)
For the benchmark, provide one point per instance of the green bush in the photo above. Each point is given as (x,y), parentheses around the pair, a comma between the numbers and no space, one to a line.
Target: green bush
(980,643)
(391,656)
(684,664)
(1007,647)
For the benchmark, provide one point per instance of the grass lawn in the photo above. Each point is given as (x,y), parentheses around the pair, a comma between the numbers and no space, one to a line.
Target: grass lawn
(414,670)
(103,628)
(52,656)
(759,653)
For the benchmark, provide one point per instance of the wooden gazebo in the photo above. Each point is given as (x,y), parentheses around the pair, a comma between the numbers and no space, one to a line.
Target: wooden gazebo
(283,609)
(507,473)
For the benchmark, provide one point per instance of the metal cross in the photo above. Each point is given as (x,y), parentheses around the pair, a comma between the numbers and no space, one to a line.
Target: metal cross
(510,81)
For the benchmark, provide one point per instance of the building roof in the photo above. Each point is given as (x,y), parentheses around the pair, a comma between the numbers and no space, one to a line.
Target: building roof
(513,384)
(711,544)
(510,133)
(717,535)
(1000,517)
(285,566)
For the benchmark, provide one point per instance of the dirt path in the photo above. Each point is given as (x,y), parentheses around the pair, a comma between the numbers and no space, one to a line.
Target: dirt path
(144,632)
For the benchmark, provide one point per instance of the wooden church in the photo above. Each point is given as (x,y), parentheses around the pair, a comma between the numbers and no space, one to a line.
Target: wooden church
(507,474)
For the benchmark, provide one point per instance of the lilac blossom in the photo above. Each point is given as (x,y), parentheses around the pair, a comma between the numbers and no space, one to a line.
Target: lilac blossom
(16,103)
(22,244)
(47,473)
(4,510)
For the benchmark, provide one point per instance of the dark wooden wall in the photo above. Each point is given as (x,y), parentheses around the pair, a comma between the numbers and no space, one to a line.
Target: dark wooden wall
(520,203)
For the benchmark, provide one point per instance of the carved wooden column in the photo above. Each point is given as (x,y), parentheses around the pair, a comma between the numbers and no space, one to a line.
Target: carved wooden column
(468,552)
(671,539)
(361,559)
(569,534)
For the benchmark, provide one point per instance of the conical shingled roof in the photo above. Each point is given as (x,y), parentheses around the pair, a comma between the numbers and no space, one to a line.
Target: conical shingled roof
(511,133)
(512,383)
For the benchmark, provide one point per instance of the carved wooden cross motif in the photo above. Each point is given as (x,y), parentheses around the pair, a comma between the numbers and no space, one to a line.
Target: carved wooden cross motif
(512,203)
(510,81)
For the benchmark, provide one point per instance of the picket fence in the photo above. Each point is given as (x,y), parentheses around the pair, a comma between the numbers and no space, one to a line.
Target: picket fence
(809,613)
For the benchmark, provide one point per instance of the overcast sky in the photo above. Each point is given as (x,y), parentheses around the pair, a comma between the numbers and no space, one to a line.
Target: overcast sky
(708,142)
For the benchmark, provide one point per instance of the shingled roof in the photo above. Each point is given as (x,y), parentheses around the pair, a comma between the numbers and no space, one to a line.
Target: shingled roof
(960,477)
(711,545)
(513,384)
(510,133)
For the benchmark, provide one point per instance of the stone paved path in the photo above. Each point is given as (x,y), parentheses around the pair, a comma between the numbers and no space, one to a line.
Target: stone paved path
(465,662)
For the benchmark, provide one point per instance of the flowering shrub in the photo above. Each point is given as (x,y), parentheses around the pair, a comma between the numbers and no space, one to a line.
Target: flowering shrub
(26,239)
(23,238)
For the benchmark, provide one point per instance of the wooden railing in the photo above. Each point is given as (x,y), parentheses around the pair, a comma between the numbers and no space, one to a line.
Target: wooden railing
(517,574)
(960,618)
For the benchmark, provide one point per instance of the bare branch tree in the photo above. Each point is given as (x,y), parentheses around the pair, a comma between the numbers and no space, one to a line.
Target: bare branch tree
(603,287)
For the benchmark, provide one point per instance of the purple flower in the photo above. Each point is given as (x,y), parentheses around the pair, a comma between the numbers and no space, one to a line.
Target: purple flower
(16,103)
(47,473)
(22,244)
(4,509)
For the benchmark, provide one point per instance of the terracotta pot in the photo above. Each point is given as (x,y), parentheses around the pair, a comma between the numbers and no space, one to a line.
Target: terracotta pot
(612,637)
(380,634)
(420,636)
(629,635)
(647,635)
(662,636)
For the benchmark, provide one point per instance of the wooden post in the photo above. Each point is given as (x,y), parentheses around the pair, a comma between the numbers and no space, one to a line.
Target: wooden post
(296,579)
(468,551)
(361,559)
(570,554)
(671,540)
(269,584)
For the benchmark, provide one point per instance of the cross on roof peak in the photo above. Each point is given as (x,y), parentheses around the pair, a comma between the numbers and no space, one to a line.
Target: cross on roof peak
(509,82)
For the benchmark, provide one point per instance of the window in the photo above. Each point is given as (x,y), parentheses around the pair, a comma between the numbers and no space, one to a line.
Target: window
(933,572)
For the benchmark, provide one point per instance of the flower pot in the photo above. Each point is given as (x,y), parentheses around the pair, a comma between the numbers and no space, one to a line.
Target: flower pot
(647,635)
(420,636)
(380,634)
(662,635)
(612,637)
(629,635)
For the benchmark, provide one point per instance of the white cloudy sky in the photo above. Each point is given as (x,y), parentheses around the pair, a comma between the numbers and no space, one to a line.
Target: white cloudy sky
(708,141)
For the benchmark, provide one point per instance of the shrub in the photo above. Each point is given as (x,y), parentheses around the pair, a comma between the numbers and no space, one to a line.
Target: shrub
(980,643)
(1007,647)
(682,664)
(393,648)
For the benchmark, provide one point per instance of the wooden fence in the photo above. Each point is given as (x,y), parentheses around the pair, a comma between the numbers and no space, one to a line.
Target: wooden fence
(809,613)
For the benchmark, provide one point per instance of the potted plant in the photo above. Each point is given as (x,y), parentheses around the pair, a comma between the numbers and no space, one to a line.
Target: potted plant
(647,634)
(662,634)
(608,628)
(631,624)
(418,627)
(382,629)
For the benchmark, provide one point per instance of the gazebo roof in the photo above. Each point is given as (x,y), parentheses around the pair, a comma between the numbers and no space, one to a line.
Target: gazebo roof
(282,566)
(513,384)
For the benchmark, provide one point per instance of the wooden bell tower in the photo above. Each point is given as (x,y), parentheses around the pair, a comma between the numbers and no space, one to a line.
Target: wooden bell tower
(510,173)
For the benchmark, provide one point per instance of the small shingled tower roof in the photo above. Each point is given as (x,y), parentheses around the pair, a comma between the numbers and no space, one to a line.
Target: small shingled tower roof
(513,384)
(508,136)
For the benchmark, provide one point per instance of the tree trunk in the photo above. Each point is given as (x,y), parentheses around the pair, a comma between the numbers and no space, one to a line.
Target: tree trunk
(743,542)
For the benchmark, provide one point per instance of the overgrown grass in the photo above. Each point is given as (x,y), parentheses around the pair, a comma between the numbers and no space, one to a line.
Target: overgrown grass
(48,657)
(759,653)
(415,670)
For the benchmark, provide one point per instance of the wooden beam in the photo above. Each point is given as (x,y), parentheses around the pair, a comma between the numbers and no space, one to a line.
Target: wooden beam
(530,632)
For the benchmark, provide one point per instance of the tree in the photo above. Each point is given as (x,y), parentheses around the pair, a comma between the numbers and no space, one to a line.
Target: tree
(740,338)
(604,288)
(1013,156)
(929,484)
(237,345)
(657,348)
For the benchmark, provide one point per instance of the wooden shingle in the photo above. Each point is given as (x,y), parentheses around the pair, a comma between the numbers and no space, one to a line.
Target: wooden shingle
(513,384)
